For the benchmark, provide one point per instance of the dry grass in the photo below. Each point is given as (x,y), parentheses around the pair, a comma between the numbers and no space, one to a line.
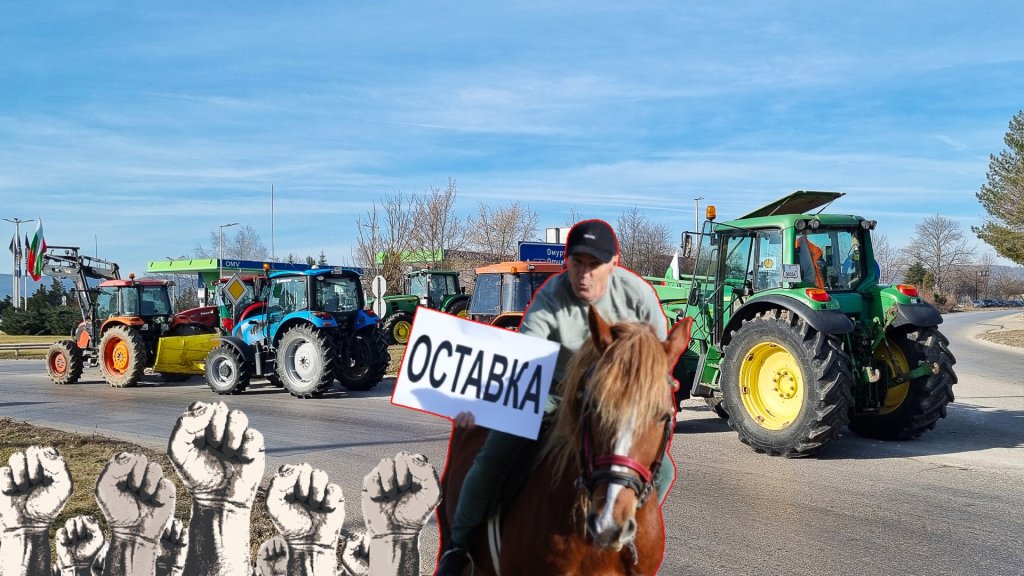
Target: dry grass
(396,353)
(87,454)
(9,355)
(1013,338)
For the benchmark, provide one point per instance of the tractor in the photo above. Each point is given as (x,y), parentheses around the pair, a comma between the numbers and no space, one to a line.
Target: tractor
(503,291)
(430,288)
(793,336)
(127,325)
(304,329)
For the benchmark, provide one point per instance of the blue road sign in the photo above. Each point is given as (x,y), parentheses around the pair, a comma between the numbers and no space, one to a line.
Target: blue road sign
(542,252)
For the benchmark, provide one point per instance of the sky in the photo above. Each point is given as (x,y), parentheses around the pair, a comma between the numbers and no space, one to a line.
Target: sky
(135,129)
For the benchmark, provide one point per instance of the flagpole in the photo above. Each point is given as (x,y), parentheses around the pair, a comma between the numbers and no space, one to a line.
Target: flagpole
(17,237)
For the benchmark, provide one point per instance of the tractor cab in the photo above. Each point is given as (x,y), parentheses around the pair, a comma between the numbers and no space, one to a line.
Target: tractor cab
(432,288)
(503,291)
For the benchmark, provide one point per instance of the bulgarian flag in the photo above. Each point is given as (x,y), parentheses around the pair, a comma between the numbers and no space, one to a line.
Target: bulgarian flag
(34,257)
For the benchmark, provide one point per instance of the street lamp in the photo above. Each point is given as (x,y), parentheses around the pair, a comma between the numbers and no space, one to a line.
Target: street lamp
(220,259)
(978,275)
(696,214)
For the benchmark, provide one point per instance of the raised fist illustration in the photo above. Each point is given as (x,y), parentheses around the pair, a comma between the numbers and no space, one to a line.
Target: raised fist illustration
(219,458)
(79,541)
(170,560)
(272,558)
(399,495)
(355,555)
(34,487)
(135,497)
(306,509)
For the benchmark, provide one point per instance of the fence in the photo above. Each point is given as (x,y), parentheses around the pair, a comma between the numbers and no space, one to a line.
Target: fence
(17,348)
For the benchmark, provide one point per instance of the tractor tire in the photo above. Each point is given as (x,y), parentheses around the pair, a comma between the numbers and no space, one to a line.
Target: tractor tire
(226,370)
(367,363)
(913,407)
(306,360)
(64,362)
(715,404)
(122,356)
(460,309)
(275,381)
(397,328)
(787,388)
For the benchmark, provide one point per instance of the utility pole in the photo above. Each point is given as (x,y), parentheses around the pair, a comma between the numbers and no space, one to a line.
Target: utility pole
(220,259)
(696,214)
(17,260)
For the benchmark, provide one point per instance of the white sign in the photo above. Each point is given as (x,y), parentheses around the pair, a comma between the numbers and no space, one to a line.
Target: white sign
(454,365)
(378,286)
(790,272)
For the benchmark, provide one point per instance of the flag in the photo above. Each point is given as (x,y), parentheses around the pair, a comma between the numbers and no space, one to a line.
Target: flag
(673,268)
(16,250)
(34,259)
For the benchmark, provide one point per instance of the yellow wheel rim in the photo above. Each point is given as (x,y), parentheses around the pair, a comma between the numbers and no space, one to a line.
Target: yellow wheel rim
(897,366)
(463,313)
(401,331)
(771,385)
(117,356)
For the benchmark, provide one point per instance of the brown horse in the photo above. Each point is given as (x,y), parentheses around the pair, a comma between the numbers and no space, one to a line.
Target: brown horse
(586,507)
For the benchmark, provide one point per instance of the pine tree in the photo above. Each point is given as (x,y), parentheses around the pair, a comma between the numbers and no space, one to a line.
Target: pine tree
(1002,196)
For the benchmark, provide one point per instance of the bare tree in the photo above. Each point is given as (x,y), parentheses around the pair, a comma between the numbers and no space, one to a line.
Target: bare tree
(496,232)
(244,244)
(574,216)
(383,238)
(941,246)
(644,246)
(890,259)
(437,230)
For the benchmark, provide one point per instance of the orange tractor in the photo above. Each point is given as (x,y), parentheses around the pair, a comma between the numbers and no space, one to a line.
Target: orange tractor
(502,291)
(127,325)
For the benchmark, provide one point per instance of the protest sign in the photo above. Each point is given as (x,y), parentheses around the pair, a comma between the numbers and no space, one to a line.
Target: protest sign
(453,365)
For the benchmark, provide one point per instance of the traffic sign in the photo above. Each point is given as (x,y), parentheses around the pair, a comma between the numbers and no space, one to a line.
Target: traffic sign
(234,289)
(542,252)
(379,287)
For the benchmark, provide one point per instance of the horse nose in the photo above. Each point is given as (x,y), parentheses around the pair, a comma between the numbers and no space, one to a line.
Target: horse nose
(628,531)
(608,534)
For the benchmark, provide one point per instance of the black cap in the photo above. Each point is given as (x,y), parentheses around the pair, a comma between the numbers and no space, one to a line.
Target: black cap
(594,237)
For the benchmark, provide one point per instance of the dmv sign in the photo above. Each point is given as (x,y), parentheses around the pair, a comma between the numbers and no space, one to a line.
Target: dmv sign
(453,365)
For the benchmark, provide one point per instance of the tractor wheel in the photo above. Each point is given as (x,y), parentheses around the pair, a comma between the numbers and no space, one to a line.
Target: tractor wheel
(787,388)
(715,404)
(306,361)
(460,309)
(911,407)
(64,362)
(367,363)
(122,356)
(397,328)
(226,370)
(275,381)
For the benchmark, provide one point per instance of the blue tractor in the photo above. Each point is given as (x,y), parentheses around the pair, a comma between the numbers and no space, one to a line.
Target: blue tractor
(311,329)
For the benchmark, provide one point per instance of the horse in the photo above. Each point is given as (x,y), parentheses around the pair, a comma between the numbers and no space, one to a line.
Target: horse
(586,507)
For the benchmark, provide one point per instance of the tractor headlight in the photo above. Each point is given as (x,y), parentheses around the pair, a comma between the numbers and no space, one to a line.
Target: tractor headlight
(801,224)
(815,224)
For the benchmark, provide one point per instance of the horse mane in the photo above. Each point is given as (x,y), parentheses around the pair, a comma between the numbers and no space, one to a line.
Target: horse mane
(630,377)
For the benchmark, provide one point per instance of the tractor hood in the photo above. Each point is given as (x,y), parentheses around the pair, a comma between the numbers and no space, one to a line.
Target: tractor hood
(799,202)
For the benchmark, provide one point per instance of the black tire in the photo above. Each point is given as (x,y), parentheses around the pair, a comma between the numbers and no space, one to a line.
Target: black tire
(122,356)
(459,308)
(367,362)
(275,381)
(397,327)
(786,387)
(226,370)
(306,361)
(64,362)
(715,404)
(913,408)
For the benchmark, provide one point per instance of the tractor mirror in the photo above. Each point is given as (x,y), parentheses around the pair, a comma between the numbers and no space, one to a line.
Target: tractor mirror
(687,245)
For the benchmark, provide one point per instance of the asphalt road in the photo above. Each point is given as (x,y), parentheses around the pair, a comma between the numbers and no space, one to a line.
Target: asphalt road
(951,502)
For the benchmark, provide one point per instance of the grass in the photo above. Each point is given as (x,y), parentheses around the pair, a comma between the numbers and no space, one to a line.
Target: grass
(396,353)
(87,454)
(10,354)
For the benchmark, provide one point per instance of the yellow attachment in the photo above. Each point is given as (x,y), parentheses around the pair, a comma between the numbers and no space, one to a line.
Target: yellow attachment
(184,354)
(898,372)
(771,385)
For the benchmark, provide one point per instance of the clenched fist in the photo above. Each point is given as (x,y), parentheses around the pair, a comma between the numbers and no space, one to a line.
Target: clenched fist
(135,497)
(34,487)
(399,495)
(78,543)
(306,509)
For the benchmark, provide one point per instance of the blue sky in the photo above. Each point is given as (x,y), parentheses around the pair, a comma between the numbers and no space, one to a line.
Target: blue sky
(142,127)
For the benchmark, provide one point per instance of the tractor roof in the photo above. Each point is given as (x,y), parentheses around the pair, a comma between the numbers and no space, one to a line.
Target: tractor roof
(799,202)
(515,267)
(337,271)
(429,271)
(127,283)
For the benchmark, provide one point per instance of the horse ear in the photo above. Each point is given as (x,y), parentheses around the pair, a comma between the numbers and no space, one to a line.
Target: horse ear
(678,340)
(600,331)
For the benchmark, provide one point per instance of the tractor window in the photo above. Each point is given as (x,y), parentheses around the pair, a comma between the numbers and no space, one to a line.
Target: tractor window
(288,295)
(518,290)
(438,290)
(338,295)
(486,295)
(418,285)
(155,301)
(769,260)
(106,303)
(129,301)
(831,259)
(737,259)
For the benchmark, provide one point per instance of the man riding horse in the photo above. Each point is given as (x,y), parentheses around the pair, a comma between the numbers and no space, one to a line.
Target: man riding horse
(558,312)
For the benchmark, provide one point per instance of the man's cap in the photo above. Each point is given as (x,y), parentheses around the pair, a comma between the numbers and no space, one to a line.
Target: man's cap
(594,237)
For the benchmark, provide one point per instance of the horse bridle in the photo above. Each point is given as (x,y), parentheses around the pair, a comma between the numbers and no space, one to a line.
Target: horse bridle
(595,469)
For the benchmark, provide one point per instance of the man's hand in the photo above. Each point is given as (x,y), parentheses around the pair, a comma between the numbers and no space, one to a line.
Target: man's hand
(219,458)
(170,561)
(399,495)
(304,507)
(34,487)
(272,558)
(78,543)
(464,421)
(135,498)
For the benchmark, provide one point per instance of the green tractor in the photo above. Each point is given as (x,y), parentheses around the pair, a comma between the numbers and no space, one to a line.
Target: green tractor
(793,336)
(430,288)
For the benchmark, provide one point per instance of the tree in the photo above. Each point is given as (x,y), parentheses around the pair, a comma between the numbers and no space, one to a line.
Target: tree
(940,246)
(1002,196)
(643,245)
(321,260)
(383,238)
(496,232)
(889,258)
(244,244)
(437,230)
(915,274)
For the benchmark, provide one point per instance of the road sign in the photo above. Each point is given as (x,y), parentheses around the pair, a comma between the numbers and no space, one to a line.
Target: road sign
(542,252)
(234,289)
(379,287)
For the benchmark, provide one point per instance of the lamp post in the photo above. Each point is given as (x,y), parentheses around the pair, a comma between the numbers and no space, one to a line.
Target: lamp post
(978,275)
(16,293)
(220,259)
(696,214)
